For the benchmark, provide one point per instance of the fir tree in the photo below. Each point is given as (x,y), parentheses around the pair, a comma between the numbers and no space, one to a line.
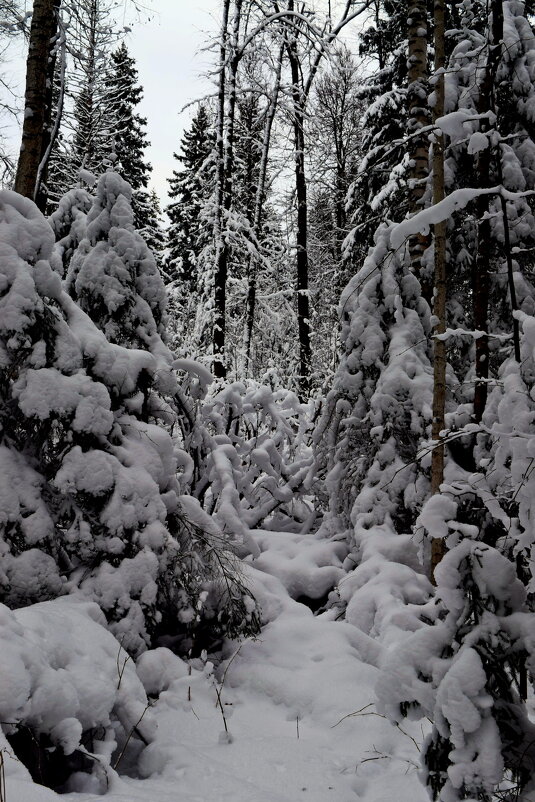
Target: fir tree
(190,189)
(92,504)
(91,123)
(152,229)
(128,127)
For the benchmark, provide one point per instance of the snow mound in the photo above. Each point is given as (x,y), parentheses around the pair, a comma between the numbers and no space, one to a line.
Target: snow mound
(68,685)
(307,566)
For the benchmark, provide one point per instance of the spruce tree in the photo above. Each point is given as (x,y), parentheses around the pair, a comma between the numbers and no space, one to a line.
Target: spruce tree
(190,189)
(152,229)
(128,127)
(90,501)
(90,122)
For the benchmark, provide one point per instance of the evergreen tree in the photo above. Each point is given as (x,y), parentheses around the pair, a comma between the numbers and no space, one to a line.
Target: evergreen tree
(152,229)
(90,146)
(92,504)
(129,136)
(190,189)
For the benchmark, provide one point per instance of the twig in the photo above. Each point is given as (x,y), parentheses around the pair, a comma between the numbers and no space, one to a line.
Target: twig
(3,797)
(120,669)
(132,731)
(219,690)
(357,713)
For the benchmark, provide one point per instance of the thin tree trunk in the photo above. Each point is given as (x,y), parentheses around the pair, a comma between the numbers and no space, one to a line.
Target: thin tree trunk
(439,306)
(303,301)
(481,265)
(509,260)
(258,210)
(418,113)
(221,255)
(41,194)
(37,98)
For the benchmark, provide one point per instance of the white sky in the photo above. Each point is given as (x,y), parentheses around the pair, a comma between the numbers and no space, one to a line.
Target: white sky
(167,44)
(168,47)
(170,61)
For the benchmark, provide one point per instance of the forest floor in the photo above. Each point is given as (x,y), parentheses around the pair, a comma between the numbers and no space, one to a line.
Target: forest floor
(298,704)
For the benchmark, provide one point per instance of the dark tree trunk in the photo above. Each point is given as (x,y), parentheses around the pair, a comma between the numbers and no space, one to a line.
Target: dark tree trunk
(258,211)
(303,302)
(418,118)
(225,146)
(481,264)
(36,129)
(439,297)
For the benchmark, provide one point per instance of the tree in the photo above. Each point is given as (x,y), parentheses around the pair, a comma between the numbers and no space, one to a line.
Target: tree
(38,97)
(86,143)
(94,506)
(129,137)
(152,229)
(190,189)
(335,136)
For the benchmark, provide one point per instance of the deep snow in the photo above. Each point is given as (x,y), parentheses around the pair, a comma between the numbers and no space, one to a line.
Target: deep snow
(299,704)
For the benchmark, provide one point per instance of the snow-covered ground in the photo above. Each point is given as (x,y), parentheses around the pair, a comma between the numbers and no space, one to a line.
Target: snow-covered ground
(298,702)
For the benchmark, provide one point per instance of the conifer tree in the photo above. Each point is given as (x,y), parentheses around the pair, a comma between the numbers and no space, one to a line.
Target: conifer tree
(189,189)
(91,502)
(152,229)
(90,145)
(128,127)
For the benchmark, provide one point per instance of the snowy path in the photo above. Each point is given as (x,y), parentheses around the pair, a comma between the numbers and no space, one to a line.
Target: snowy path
(284,697)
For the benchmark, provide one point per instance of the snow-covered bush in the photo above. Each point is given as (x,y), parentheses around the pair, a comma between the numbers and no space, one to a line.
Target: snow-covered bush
(70,698)
(369,436)
(259,459)
(461,669)
(89,497)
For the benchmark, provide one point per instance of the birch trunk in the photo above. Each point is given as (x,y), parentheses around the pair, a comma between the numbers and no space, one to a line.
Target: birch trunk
(259,209)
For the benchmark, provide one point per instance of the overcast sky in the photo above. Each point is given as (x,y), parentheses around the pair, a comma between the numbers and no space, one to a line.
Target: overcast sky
(167,44)
(168,51)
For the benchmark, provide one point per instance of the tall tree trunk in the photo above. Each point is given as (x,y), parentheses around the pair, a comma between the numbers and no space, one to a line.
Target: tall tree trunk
(303,301)
(340,208)
(225,148)
(481,264)
(439,306)
(418,114)
(259,209)
(36,127)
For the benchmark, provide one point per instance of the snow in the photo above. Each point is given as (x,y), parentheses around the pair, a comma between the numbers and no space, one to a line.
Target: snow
(298,701)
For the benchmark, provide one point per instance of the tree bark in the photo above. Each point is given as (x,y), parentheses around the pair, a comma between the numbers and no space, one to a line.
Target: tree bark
(259,209)
(418,118)
(439,305)
(36,127)
(303,301)
(225,150)
(481,264)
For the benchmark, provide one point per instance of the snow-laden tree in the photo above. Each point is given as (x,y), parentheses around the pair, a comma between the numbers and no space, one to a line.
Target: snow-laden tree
(371,431)
(91,502)
(128,129)
(189,189)
(467,664)
(378,192)
(152,229)
(113,276)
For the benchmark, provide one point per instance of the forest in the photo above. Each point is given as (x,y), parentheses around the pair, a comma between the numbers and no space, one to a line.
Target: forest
(267,443)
